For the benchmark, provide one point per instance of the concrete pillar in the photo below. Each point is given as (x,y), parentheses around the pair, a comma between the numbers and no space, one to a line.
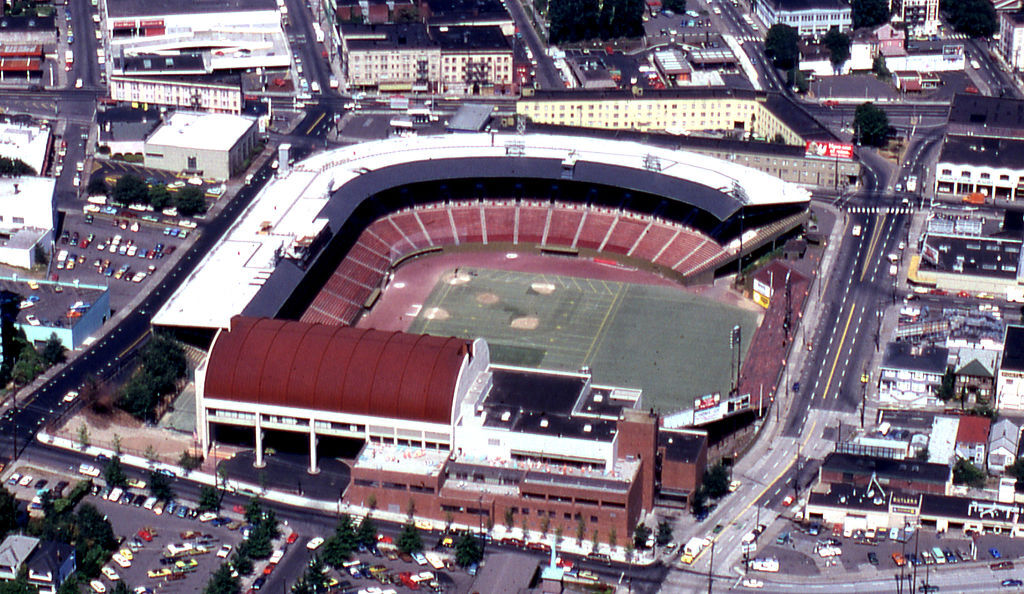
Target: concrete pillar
(259,442)
(313,468)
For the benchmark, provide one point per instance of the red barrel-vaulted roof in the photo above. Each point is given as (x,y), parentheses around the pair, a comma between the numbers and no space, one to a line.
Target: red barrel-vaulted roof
(336,369)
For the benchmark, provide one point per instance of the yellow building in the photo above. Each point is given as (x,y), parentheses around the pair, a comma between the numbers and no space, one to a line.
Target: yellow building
(676,111)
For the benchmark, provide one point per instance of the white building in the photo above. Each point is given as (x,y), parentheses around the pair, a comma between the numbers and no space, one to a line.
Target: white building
(28,143)
(206,144)
(811,18)
(1011,39)
(190,93)
(910,378)
(921,17)
(27,218)
(1003,443)
(1010,382)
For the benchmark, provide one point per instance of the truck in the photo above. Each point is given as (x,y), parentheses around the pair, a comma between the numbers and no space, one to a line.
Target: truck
(69,59)
(399,103)
(318,32)
(1015,294)
(692,549)
(912,183)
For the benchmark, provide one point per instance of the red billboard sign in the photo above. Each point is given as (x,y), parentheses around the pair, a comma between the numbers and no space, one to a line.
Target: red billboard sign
(828,150)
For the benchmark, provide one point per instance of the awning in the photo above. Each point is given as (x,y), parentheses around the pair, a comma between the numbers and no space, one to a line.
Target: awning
(396,86)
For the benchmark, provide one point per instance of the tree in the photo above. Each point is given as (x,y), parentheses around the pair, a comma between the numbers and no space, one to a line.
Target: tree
(716,481)
(242,563)
(209,499)
(838,46)
(97,187)
(18,586)
(572,20)
(781,44)
(871,124)
(130,189)
(190,201)
(676,6)
(163,363)
(879,68)
(8,512)
(83,435)
(965,473)
(366,534)
(947,388)
(468,550)
(338,548)
(13,167)
(254,510)
(409,540)
(869,13)
(640,536)
(28,365)
(114,473)
(976,18)
(54,351)
(510,518)
(221,582)
(160,197)
(664,533)
(581,530)
(189,462)
(160,486)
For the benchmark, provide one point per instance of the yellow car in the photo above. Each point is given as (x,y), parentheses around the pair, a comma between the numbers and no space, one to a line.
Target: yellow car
(186,563)
(159,573)
(127,554)
(865,378)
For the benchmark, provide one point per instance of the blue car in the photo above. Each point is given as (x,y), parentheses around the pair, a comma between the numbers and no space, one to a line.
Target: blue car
(995,553)
(1012,583)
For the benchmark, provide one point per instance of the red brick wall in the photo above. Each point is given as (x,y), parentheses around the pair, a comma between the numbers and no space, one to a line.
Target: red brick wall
(638,437)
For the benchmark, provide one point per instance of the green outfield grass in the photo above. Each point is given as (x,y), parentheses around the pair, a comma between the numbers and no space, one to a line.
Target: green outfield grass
(672,344)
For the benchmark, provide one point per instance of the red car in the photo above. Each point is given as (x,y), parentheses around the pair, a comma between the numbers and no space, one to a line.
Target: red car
(238,509)
(145,535)
(268,569)
(294,536)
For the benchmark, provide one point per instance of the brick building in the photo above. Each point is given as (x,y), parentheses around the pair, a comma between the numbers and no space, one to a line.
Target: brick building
(904,475)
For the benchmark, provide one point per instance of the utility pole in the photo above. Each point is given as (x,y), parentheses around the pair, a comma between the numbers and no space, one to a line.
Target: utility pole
(711,565)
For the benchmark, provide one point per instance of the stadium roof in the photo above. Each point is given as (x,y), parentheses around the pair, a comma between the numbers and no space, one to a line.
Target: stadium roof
(325,190)
(337,369)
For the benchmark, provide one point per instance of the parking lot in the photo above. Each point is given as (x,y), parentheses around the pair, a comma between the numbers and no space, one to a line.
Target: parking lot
(804,550)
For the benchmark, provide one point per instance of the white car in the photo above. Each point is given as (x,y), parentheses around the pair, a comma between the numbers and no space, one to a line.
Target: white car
(78,84)
(208,517)
(25,480)
(97,586)
(109,572)
(224,551)
(315,543)
(121,560)
(70,396)
(88,470)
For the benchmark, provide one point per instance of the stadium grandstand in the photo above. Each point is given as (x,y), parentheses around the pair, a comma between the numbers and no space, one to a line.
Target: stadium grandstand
(319,242)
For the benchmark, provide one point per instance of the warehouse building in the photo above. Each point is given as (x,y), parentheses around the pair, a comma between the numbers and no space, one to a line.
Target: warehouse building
(204,144)
(444,428)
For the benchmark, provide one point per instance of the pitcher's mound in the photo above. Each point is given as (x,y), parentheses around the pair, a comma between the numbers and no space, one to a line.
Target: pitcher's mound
(436,313)
(543,288)
(487,298)
(457,278)
(525,323)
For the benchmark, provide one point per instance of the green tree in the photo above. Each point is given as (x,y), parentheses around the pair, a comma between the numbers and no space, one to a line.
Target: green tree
(254,510)
(976,18)
(366,534)
(160,486)
(97,187)
(510,518)
(572,20)
(468,550)
(209,499)
(664,533)
(221,582)
(28,365)
(716,481)
(83,435)
(8,512)
(947,388)
(409,540)
(879,68)
(640,536)
(13,167)
(159,196)
(163,363)
(114,473)
(54,351)
(130,189)
(260,543)
(581,530)
(338,548)
(18,586)
(242,563)
(871,124)
(838,46)
(190,201)
(781,44)
(676,6)
(869,13)
(965,473)
(189,462)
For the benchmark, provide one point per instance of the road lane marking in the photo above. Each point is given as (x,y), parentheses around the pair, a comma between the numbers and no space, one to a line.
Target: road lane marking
(846,329)
(875,234)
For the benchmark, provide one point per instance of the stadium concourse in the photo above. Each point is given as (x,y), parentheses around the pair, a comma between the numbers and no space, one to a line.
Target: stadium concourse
(439,423)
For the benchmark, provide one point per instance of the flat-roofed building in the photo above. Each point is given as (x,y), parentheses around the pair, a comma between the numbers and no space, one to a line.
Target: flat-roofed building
(1011,39)
(1010,383)
(210,145)
(921,17)
(811,18)
(905,475)
(911,377)
(30,144)
(27,218)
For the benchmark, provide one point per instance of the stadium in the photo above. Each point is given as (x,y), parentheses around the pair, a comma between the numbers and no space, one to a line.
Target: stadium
(301,275)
